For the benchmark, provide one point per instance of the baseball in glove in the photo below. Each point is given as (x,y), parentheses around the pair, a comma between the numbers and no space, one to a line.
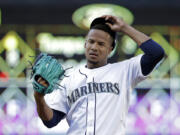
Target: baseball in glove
(49,69)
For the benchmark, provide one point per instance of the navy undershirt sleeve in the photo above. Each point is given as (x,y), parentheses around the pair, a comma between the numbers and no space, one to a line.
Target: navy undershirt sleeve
(57,117)
(153,53)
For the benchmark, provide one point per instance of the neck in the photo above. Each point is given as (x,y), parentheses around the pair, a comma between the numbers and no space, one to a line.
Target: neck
(92,65)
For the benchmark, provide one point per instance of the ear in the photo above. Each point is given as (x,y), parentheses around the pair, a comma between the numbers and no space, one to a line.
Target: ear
(110,50)
(85,44)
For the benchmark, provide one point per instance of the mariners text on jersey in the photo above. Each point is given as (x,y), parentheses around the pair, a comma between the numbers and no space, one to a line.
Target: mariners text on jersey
(93,87)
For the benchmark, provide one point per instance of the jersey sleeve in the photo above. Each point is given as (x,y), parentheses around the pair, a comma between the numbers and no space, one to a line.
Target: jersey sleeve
(57,100)
(135,71)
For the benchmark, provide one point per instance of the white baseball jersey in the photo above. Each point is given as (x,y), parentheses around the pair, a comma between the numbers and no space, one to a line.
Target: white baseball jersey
(96,101)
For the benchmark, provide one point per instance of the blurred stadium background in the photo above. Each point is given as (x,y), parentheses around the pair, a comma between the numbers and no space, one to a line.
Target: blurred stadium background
(33,26)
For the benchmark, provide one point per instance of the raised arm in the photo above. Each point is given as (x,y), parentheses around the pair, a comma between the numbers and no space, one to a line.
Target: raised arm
(153,52)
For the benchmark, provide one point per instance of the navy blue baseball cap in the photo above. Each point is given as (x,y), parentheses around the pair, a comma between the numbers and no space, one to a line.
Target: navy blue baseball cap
(100,23)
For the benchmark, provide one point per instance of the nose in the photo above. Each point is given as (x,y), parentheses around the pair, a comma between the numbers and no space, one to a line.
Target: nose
(94,46)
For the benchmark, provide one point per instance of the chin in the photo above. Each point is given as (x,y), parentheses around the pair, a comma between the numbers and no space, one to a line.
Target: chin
(93,62)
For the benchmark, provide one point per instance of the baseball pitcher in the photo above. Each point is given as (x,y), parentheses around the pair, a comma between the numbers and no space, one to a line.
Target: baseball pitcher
(94,99)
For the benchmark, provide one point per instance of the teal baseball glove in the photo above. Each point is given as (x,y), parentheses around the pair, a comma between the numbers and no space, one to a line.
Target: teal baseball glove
(49,69)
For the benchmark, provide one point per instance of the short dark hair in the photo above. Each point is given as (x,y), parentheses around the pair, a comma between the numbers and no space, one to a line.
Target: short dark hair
(100,23)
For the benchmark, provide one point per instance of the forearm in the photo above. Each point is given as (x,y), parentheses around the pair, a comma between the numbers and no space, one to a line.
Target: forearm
(57,117)
(44,112)
(136,35)
(153,53)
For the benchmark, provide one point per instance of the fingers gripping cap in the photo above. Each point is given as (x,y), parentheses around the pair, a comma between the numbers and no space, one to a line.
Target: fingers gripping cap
(100,23)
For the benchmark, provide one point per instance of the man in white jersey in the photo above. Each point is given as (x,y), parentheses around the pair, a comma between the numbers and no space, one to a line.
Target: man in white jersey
(95,98)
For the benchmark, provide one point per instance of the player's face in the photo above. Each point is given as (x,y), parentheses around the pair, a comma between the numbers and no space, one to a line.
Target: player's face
(97,48)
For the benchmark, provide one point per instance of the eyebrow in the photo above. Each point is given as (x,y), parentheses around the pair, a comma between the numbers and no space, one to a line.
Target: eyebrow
(101,42)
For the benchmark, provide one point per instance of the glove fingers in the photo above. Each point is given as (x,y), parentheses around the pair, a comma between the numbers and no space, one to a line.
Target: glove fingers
(46,67)
(51,70)
(39,57)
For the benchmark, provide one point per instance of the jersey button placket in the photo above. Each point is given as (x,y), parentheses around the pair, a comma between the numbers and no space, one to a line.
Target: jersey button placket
(90,119)
(90,113)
